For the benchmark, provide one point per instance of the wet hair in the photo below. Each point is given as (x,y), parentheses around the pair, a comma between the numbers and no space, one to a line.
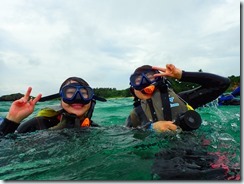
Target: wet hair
(76,79)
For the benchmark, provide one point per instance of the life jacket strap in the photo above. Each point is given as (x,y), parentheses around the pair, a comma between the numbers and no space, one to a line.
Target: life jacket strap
(90,111)
(153,112)
(163,88)
(141,114)
(166,106)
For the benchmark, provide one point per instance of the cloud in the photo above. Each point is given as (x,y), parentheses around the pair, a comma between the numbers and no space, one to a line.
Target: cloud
(45,42)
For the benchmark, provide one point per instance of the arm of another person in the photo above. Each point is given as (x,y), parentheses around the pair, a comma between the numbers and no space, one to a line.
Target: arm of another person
(211,85)
(19,110)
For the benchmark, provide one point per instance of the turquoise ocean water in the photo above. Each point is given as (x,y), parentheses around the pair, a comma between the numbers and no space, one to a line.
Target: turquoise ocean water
(113,152)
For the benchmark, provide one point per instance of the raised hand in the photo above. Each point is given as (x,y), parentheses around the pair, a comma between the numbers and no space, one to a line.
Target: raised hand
(169,71)
(22,108)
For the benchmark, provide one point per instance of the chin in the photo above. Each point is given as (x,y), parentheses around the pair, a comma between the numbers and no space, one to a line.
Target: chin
(145,97)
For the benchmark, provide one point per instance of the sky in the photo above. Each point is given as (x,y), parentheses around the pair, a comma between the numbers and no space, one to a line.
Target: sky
(103,41)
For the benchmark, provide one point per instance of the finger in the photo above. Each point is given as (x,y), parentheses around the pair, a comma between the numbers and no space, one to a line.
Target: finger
(158,75)
(38,97)
(27,94)
(170,67)
(20,101)
(159,68)
(172,126)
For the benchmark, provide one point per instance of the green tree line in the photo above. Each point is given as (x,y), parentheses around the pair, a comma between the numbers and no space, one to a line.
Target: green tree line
(178,86)
(112,92)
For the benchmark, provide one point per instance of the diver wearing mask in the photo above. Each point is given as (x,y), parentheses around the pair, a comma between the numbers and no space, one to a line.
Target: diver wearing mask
(75,109)
(159,108)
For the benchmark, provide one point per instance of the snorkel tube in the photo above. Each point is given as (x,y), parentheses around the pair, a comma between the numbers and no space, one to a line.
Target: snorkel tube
(57,95)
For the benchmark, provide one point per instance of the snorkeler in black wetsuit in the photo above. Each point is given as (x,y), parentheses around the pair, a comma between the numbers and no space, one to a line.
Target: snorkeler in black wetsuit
(158,107)
(75,110)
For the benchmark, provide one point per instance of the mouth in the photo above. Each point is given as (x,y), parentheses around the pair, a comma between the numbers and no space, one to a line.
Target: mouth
(77,106)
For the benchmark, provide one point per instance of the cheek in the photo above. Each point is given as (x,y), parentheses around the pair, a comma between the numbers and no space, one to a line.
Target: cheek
(86,107)
(67,107)
(64,105)
(142,96)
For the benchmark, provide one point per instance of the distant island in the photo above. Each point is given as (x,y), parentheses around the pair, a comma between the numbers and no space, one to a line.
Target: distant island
(114,93)
(11,97)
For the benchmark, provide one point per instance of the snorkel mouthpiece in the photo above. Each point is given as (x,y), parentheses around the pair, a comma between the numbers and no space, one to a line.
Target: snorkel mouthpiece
(149,89)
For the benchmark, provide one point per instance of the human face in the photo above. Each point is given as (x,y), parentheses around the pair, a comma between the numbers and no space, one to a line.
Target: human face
(75,106)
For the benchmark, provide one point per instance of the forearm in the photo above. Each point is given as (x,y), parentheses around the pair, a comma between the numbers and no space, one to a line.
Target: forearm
(205,79)
(211,86)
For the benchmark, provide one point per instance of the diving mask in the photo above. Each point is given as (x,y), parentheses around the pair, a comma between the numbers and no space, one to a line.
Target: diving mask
(140,81)
(76,93)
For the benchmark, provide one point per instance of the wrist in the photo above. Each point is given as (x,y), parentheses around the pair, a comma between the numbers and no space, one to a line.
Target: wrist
(179,76)
(12,119)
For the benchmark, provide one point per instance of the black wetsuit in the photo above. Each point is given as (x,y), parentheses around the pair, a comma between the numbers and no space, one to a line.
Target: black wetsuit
(37,123)
(211,86)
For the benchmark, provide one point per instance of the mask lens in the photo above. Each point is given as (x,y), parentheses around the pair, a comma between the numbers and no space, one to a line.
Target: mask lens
(86,93)
(150,76)
(136,79)
(69,92)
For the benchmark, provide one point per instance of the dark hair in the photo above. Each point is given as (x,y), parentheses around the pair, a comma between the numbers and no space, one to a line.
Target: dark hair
(77,79)
(143,68)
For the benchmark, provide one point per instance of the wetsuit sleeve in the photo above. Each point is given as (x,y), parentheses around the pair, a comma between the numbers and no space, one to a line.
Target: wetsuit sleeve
(211,87)
(7,126)
(37,123)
